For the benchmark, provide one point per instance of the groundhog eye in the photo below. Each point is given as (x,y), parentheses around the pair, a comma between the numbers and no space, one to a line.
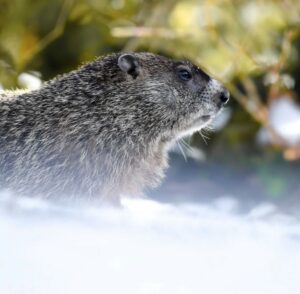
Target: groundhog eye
(184,75)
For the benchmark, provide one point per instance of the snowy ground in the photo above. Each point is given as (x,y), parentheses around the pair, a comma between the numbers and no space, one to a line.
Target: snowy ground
(147,248)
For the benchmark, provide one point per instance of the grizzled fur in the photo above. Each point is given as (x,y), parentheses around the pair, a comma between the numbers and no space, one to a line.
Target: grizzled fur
(104,129)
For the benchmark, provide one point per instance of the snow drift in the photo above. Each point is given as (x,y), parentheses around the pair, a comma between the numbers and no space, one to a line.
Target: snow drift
(147,248)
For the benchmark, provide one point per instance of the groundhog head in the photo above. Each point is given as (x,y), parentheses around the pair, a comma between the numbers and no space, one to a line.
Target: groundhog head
(182,96)
(157,96)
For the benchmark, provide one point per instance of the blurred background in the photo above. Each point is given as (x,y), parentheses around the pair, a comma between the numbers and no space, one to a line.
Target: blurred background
(251,154)
(226,218)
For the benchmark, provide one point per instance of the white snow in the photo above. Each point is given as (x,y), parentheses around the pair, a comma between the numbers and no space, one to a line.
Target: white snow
(285,119)
(147,248)
(30,81)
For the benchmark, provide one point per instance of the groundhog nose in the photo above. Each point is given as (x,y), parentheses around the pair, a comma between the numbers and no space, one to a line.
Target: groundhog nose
(224,96)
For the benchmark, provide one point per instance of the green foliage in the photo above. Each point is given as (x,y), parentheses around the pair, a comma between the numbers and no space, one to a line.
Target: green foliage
(229,38)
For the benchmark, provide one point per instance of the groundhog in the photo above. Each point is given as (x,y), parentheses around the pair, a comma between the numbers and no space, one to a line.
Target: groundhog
(103,130)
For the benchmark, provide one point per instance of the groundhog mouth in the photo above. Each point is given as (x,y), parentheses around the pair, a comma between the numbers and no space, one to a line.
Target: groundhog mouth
(200,121)
(204,118)
(195,125)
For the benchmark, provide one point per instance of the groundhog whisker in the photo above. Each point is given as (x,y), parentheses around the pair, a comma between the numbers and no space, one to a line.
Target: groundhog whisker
(206,131)
(203,137)
(181,150)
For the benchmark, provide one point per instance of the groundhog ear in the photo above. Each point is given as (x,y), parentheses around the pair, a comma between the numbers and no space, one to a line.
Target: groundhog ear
(129,64)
